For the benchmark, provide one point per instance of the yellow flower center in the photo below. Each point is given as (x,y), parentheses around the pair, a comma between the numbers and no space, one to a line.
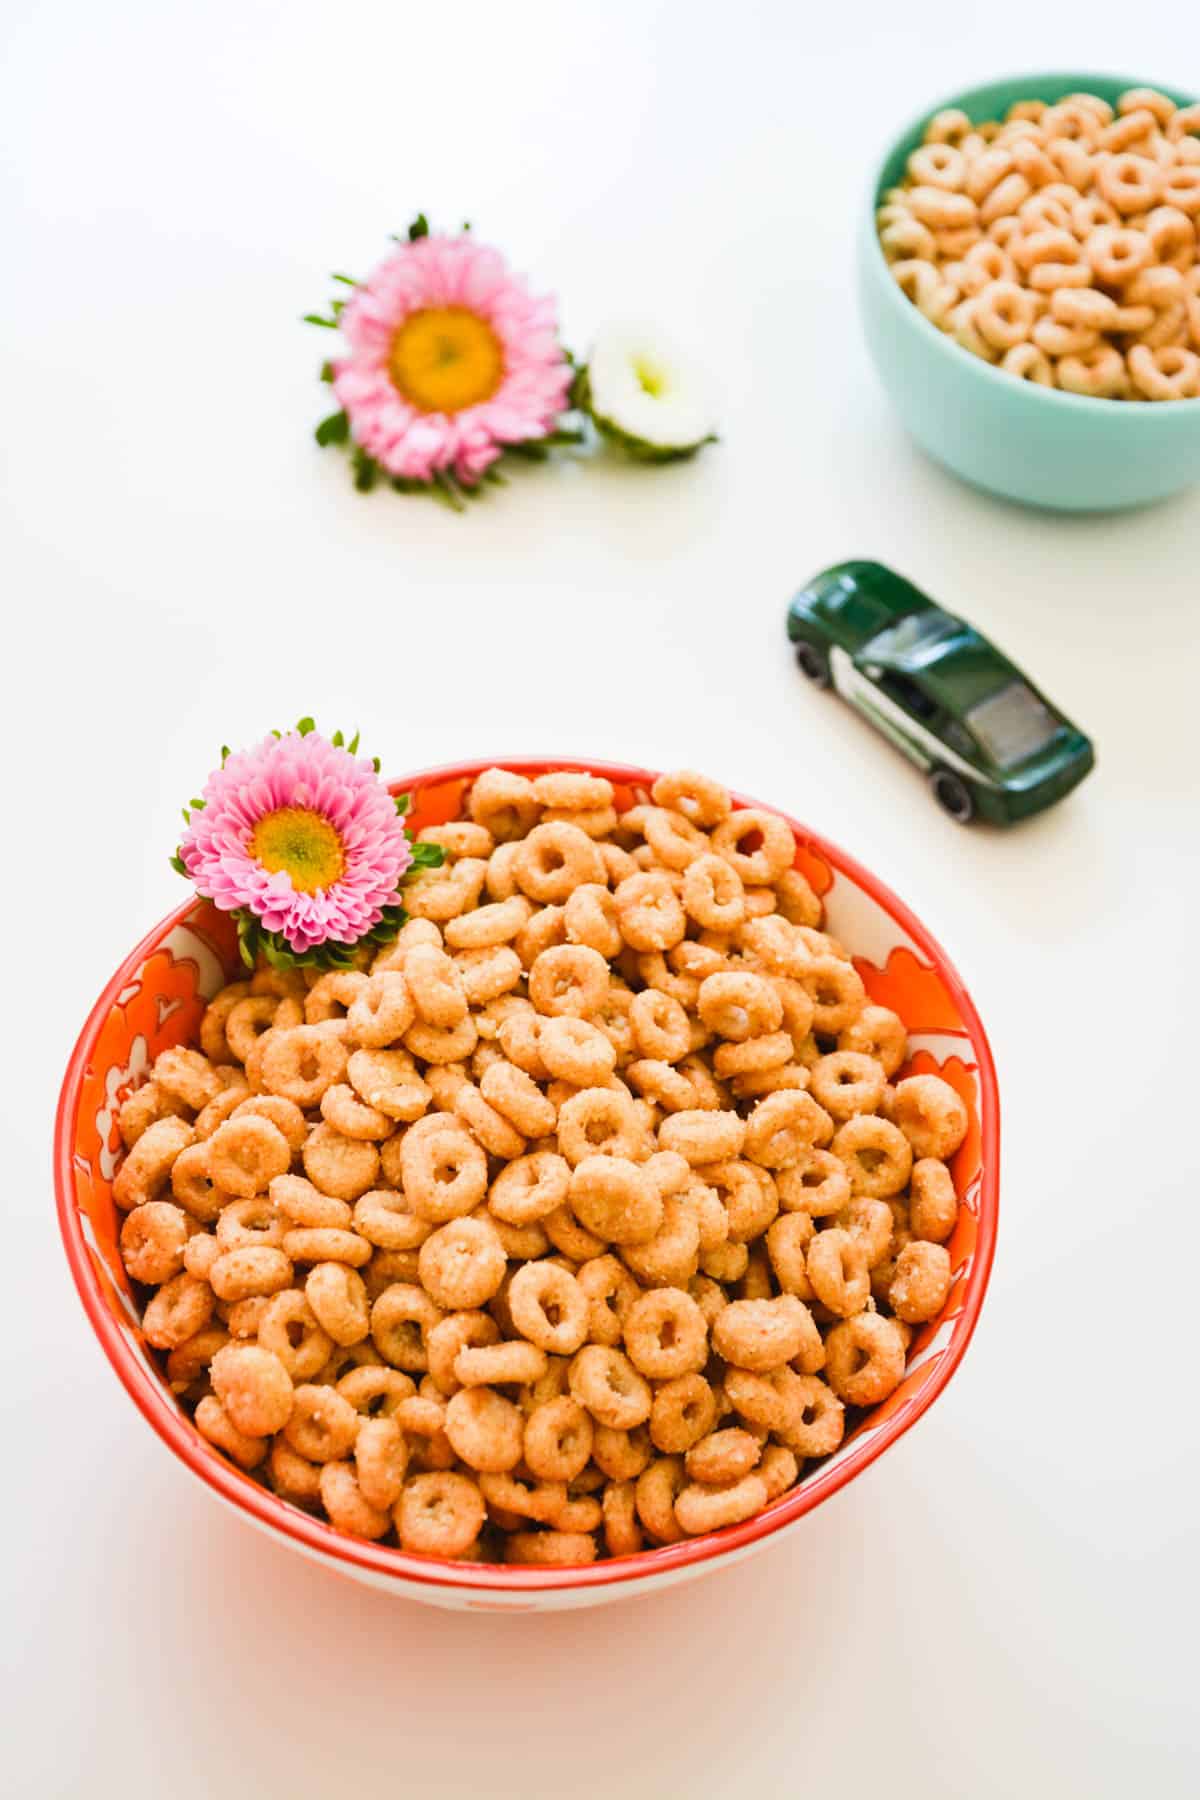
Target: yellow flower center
(303,843)
(445,358)
(651,378)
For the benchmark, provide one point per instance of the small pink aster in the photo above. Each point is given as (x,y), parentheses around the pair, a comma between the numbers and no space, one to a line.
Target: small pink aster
(451,359)
(302,834)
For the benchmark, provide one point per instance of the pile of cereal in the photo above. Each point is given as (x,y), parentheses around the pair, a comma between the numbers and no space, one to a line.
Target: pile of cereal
(1062,244)
(576,1222)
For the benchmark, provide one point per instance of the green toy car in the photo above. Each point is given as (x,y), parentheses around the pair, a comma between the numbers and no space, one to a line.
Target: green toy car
(990,743)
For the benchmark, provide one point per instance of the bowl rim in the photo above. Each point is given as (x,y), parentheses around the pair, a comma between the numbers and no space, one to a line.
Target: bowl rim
(266,1509)
(1085,404)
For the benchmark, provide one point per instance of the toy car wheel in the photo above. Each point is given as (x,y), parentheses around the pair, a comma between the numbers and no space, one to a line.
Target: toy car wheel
(953,795)
(814,663)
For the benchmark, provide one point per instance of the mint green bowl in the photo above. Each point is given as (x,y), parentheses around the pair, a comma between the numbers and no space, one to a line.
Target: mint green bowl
(1028,443)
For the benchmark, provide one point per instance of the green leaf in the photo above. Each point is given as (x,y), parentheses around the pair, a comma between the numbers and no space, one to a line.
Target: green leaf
(178,864)
(333,430)
(347,280)
(408,484)
(225,754)
(533,451)
(305,725)
(337,307)
(375,764)
(196,805)
(466,224)
(445,490)
(337,739)
(418,229)
(427,856)
(326,371)
(366,469)
(316,319)
(403,802)
(187,817)
(352,746)
(494,477)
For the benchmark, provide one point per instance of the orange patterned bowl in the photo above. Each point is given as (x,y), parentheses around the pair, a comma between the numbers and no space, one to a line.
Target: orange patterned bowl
(156,998)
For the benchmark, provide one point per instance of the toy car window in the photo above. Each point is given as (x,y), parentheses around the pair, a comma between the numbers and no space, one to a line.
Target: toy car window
(907,694)
(959,738)
(916,632)
(1012,724)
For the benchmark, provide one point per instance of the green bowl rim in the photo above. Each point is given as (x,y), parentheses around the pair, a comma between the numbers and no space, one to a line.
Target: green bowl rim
(1086,403)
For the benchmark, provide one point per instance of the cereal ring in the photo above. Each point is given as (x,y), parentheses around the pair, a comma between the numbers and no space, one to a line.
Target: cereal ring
(610,1291)
(384,1216)
(245,1154)
(147,1168)
(1130,183)
(761,1334)
(846,1082)
(737,1005)
(607,1384)
(649,912)
(622,1533)
(301,1063)
(932,1116)
(577,1051)
(1004,314)
(503,803)
(675,841)
(250,1269)
(200,1253)
(387,1081)
(864,1359)
(568,979)
(622,1455)
(701,1136)
(530,1188)
(382,1011)
(321,1424)
(938,164)
(485,1429)
(443,1170)
(699,1509)
(343,1167)
(250,1019)
(254,1388)
(701,801)
(440,1514)
(784,1127)
(462,1264)
(921,1283)
(1099,372)
(837,994)
(941,211)
(1172,238)
(906,239)
(773,851)
(818,1421)
(337,1296)
(819,1184)
(515,1094)
(556,1549)
(1116,254)
(347,1505)
(499,1365)
(376,1392)
(253,1221)
(290,1329)
(836,1264)
(574,1243)
(554,860)
(654,1496)
(550,1309)
(877,1155)
(666,1334)
(399,1319)
(1006,197)
(381,1462)
(293,1477)
(723,1456)
(614,1199)
(1170,373)
(181,1308)
(934,1204)
(442,894)
(152,1241)
(214,1423)
(436,987)
(597,1121)
(187,1076)
(558,1440)
(788,1238)
(766,1401)
(491,1128)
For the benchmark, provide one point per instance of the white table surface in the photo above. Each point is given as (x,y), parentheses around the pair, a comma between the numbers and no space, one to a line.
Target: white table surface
(1001,1607)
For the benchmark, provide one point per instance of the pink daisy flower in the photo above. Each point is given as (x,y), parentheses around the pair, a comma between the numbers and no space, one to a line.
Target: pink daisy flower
(301,834)
(451,359)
